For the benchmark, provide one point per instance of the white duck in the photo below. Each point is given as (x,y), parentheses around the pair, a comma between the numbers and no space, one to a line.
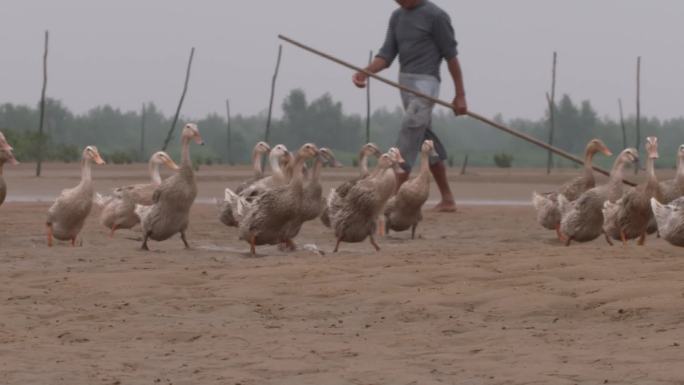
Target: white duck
(67,215)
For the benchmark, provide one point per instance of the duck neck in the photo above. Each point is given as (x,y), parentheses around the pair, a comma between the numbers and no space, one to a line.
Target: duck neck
(257,163)
(86,175)
(185,153)
(589,162)
(363,163)
(317,168)
(154,173)
(680,171)
(275,167)
(650,171)
(298,170)
(424,171)
(617,173)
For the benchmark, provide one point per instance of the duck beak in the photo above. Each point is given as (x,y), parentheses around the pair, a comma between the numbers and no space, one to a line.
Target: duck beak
(171,164)
(13,161)
(98,160)
(198,140)
(606,151)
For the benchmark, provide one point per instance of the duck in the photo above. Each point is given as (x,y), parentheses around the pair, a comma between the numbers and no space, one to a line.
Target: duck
(354,217)
(266,219)
(670,220)
(260,149)
(671,189)
(546,204)
(278,159)
(66,217)
(118,209)
(6,155)
(367,150)
(281,163)
(582,219)
(173,198)
(404,210)
(628,218)
(4,145)
(312,202)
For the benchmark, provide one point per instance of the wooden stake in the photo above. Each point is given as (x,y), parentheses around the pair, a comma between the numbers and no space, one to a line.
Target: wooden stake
(465,165)
(638,114)
(622,124)
(229,144)
(142,134)
(368,102)
(169,136)
(267,134)
(448,105)
(41,137)
(552,111)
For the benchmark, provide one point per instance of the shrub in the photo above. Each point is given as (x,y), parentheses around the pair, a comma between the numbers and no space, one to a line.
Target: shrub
(503,160)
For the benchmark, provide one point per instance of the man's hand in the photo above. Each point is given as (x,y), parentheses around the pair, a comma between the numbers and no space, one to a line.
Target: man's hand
(359,79)
(460,105)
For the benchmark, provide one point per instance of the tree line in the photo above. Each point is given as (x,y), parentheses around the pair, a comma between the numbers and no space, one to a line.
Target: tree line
(323,121)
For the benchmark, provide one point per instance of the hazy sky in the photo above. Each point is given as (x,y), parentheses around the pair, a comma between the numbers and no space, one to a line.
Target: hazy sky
(126,52)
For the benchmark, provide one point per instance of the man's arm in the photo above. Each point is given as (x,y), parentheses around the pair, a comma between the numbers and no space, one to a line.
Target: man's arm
(378,64)
(459,103)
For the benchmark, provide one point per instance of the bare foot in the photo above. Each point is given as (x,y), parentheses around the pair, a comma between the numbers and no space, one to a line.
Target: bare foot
(445,207)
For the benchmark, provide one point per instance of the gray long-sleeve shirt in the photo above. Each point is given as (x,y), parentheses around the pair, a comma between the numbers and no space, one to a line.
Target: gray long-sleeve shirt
(422,37)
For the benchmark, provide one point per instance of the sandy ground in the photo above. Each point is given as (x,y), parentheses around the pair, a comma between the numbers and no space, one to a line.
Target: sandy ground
(483,296)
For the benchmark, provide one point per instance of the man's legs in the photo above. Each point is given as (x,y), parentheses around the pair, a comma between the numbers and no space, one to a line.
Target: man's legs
(439,172)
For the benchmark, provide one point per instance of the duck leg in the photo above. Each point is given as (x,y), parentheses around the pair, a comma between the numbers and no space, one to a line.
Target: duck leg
(144,245)
(111,234)
(49,234)
(73,242)
(560,235)
(623,237)
(642,239)
(413,231)
(252,245)
(568,241)
(185,241)
(372,241)
(337,245)
(608,238)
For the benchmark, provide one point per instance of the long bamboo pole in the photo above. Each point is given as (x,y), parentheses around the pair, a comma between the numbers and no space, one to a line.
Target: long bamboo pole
(473,115)
(169,136)
(41,136)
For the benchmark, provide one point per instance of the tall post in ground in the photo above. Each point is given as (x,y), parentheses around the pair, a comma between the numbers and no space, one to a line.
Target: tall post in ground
(229,134)
(267,134)
(142,134)
(169,136)
(41,134)
(638,113)
(622,124)
(368,102)
(552,112)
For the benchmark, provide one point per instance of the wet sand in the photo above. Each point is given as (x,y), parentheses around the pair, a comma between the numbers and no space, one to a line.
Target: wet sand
(483,296)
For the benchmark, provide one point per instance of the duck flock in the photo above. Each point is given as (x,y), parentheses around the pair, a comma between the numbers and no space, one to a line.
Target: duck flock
(270,210)
(580,211)
(266,210)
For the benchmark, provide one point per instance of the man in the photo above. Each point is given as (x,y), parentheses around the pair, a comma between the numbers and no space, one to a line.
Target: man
(420,33)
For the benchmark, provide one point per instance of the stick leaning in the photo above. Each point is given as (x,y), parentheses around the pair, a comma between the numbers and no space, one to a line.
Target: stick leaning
(440,102)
